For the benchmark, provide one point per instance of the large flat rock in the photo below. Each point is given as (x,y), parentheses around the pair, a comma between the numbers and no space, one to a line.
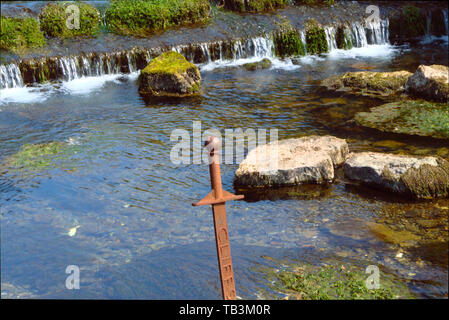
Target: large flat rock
(406,175)
(292,162)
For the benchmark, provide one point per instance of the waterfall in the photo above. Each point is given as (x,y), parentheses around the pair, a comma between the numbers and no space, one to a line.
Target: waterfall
(330,37)
(445,21)
(10,76)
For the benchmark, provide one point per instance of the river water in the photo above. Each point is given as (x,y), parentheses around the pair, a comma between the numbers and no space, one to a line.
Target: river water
(137,235)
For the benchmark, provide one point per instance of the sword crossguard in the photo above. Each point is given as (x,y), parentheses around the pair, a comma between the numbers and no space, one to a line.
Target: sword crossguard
(217,195)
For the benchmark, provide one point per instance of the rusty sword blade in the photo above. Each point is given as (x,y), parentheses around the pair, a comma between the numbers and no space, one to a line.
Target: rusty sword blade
(217,198)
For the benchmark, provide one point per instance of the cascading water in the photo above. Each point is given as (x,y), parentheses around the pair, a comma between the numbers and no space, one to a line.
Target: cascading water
(86,65)
(10,76)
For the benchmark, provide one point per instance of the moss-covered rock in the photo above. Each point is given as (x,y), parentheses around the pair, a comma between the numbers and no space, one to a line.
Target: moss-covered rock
(315,38)
(430,83)
(369,83)
(53,19)
(407,23)
(254,5)
(422,178)
(262,64)
(143,17)
(314,2)
(413,117)
(288,43)
(20,34)
(170,74)
(343,38)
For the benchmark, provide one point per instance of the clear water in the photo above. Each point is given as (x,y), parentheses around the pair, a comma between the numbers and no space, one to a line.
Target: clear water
(139,237)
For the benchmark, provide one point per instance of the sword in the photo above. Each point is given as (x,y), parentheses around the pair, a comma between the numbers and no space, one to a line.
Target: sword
(217,198)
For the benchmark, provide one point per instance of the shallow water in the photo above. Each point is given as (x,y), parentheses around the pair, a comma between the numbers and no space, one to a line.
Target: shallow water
(138,235)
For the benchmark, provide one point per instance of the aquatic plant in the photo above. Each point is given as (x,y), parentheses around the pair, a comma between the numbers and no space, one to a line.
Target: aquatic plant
(314,2)
(254,5)
(415,117)
(410,22)
(336,282)
(315,38)
(141,17)
(53,20)
(262,64)
(288,43)
(343,38)
(35,156)
(19,34)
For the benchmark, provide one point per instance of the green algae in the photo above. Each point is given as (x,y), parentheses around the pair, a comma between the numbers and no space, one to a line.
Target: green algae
(254,5)
(334,281)
(262,64)
(288,43)
(315,38)
(413,117)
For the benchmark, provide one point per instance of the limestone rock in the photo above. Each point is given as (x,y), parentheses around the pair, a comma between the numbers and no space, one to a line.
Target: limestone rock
(292,162)
(430,83)
(369,83)
(411,176)
(170,74)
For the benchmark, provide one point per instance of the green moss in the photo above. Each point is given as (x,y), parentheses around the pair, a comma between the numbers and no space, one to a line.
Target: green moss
(315,38)
(53,20)
(288,43)
(343,38)
(410,22)
(262,64)
(416,117)
(169,62)
(254,5)
(337,282)
(314,2)
(369,83)
(142,17)
(19,34)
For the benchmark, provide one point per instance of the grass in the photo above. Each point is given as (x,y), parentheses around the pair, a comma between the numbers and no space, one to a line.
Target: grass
(143,17)
(53,20)
(20,34)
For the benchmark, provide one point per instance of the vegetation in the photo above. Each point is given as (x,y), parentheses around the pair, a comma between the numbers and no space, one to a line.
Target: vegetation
(314,2)
(141,17)
(288,43)
(19,34)
(254,5)
(409,23)
(35,156)
(262,64)
(169,62)
(416,117)
(315,38)
(53,20)
(343,39)
(336,282)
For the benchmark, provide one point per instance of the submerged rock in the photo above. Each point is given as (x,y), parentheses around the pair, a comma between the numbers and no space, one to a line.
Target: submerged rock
(262,64)
(292,162)
(406,175)
(170,74)
(430,83)
(369,83)
(413,117)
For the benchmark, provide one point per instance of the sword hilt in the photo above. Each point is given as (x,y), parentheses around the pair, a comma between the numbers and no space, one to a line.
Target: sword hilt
(217,195)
